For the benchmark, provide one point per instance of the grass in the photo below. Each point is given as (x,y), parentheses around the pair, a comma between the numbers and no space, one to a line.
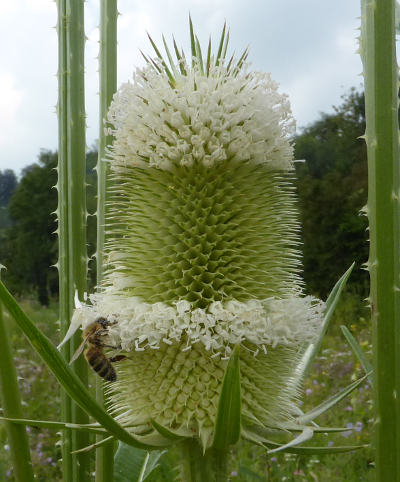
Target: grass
(334,368)
(40,395)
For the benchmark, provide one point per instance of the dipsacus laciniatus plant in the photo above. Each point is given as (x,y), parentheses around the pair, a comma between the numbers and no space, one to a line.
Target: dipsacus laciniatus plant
(202,247)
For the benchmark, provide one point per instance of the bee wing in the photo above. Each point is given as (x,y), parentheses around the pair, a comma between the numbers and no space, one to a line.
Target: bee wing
(79,349)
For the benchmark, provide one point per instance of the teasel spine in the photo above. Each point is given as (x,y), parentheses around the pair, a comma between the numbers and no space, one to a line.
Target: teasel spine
(378,51)
(108,85)
(71,212)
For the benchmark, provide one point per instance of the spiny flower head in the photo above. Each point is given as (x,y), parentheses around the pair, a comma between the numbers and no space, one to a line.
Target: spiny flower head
(202,245)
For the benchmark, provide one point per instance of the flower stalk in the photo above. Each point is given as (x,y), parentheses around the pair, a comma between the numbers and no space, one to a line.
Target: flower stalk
(72,211)
(108,86)
(65,290)
(378,51)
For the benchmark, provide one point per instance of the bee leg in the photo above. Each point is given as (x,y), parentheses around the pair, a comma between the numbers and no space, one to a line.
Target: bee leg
(117,358)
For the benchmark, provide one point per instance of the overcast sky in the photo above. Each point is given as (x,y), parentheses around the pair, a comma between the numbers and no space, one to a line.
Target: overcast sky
(309,47)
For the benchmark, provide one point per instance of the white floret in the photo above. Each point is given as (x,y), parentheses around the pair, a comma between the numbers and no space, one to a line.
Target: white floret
(204,119)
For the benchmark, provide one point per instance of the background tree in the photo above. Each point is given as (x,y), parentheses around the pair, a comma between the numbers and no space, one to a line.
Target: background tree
(8,184)
(29,245)
(332,188)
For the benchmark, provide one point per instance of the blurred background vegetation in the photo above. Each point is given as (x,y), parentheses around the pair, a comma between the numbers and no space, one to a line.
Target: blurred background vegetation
(332,189)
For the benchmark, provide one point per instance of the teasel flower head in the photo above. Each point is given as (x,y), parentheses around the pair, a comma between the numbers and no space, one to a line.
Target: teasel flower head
(202,245)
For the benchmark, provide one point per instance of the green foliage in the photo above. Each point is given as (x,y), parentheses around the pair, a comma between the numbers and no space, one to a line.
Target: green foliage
(134,465)
(332,188)
(8,184)
(29,245)
(40,397)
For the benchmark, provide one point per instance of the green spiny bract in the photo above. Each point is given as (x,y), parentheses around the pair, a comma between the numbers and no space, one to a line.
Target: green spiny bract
(202,246)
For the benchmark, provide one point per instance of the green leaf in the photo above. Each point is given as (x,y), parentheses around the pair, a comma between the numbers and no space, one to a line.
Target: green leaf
(305,435)
(331,304)
(94,446)
(365,363)
(227,426)
(259,440)
(316,429)
(171,434)
(152,463)
(325,450)
(60,368)
(54,425)
(290,427)
(134,465)
(330,402)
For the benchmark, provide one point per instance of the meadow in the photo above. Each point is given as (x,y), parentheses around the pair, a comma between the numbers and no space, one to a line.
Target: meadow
(334,368)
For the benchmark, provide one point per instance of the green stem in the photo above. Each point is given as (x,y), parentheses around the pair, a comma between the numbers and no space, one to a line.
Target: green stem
(72,212)
(381,90)
(76,147)
(11,404)
(196,466)
(65,288)
(108,85)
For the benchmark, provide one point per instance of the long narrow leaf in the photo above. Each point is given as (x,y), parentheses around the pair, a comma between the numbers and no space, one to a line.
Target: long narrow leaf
(365,363)
(60,368)
(99,443)
(227,426)
(259,440)
(167,433)
(330,402)
(53,425)
(291,427)
(305,435)
(331,304)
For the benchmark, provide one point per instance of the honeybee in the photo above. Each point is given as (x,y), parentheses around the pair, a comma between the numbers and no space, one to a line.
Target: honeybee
(94,353)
